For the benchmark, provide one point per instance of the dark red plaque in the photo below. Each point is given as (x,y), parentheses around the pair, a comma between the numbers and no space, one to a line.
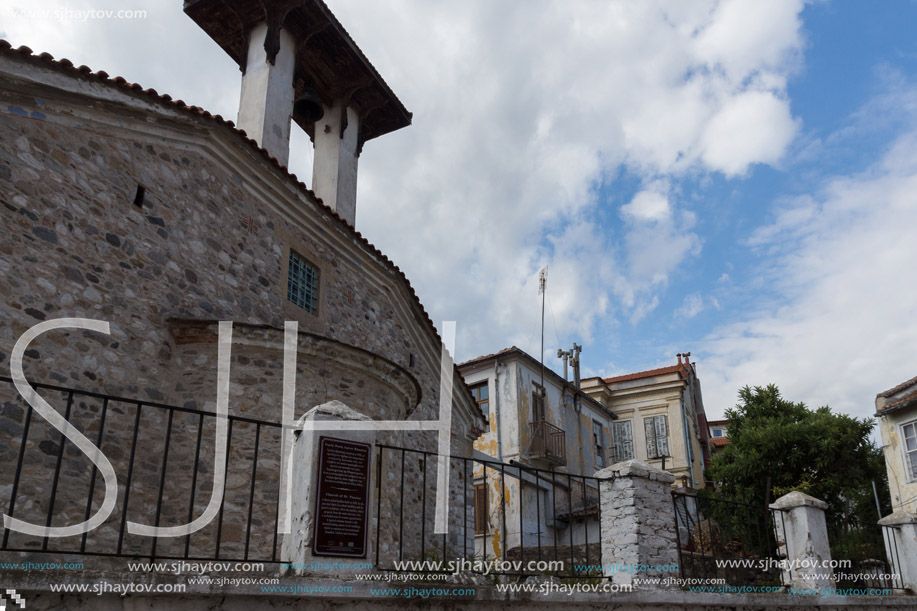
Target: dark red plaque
(342,502)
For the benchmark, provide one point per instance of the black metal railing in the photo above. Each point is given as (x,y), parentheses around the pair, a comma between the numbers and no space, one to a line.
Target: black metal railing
(163,458)
(861,553)
(548,441)
(894,579)
(726,540)
(533,517)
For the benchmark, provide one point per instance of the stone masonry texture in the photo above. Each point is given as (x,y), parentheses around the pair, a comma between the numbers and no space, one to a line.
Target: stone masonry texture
(209,241)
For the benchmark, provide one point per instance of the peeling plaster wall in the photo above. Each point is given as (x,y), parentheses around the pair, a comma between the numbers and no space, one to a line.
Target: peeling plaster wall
(515,383)
(903,492)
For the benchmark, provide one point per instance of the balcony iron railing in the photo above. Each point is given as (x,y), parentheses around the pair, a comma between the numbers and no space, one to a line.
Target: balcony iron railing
(548,442)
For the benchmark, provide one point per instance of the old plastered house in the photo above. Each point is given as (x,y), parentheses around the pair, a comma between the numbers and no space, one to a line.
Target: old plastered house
(539,420)
(660,416)
(896,409)
(123,205)
(717,435)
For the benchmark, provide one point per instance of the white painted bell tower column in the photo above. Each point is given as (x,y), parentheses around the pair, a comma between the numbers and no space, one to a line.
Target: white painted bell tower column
(334,171)
(266,104)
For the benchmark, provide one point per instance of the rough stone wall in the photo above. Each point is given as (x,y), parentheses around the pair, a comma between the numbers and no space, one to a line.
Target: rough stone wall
(210,241)
(638,525)
(408,510)
(75,245)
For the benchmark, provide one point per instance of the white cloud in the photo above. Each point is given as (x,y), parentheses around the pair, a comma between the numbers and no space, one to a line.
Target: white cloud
(751,127)
(514,126)
(748,36)
(649,205)
(520,109)
(692,306)
(643,307)
(842,262)
(656,242)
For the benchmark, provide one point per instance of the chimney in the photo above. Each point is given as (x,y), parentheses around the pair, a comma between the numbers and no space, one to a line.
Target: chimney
(298,63)
(679,358)
(564,354)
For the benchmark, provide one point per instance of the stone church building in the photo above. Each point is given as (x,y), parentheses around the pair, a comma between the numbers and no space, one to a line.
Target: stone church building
(121,204)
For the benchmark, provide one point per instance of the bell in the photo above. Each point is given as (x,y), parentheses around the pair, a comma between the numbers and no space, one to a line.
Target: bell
(307,106)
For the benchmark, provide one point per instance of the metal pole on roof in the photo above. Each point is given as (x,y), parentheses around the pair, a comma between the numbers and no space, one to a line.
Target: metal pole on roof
(542,288)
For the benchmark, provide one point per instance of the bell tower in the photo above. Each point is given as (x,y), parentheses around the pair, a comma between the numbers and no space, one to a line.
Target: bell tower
(299,64)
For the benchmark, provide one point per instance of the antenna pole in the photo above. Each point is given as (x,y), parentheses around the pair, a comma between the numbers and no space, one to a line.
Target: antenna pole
(542,288)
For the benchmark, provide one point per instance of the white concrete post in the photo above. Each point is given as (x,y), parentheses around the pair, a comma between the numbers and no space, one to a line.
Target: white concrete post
(900,535)
(297,545)
(334,170)
(266,104)
(638,524)
(802,538)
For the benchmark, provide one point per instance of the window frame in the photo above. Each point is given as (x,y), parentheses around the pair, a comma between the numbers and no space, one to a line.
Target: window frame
(486,402)
(317,270)
(910,468)
(598,443)
(539,398)
(616,443)
(655,428)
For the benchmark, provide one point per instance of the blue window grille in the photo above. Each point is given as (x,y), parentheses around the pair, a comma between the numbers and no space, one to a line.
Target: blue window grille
(302,283)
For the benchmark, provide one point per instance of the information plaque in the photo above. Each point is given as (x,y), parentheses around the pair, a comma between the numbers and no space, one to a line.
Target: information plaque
(342,502)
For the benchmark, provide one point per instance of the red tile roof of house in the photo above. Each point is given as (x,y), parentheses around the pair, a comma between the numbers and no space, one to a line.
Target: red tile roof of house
(908,399)
(719,442)
(898,388)
(902,401)
(679,369)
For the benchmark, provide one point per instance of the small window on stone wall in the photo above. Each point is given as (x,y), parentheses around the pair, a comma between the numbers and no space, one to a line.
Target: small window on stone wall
(302,283)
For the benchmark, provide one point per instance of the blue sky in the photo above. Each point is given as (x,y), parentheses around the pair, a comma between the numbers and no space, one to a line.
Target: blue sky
(853,53)
(736,179)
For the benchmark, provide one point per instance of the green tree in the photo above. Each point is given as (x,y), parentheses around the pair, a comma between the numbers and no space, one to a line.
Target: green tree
(821,453)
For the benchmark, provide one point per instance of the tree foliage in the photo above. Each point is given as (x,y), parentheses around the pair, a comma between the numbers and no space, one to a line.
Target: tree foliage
(824,454)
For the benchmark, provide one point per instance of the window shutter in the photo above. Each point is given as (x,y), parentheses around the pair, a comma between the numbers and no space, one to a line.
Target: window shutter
(622,441)
(652,451)
(662,436)
(617,449)
(598,440)
(480,509)
(538,414)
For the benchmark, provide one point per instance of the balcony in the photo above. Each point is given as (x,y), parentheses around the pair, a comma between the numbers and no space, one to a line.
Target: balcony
(548,442)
